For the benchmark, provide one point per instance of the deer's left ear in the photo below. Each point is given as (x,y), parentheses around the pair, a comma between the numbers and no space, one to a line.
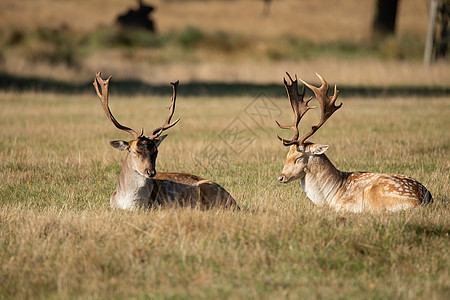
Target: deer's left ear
(159,140)
(318,149)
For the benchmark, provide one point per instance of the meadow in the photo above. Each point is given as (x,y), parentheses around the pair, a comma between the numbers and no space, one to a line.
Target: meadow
(59,238)
(216,41)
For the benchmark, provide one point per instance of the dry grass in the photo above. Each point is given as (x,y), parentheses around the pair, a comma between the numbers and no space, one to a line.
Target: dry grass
(269,44)
(363,72)
(349,20)
(59,239)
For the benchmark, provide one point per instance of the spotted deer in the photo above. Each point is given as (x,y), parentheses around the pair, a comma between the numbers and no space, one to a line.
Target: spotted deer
(326,185)
(139,185)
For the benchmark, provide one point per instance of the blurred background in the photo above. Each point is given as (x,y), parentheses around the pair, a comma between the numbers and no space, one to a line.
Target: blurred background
(350,42)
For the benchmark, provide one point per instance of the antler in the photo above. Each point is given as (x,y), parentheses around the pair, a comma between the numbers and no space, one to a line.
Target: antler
(327,105)
(103,96)
(299,107)
(157,132)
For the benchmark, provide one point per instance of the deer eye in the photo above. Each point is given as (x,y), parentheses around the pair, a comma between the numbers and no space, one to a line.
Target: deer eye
(298,159)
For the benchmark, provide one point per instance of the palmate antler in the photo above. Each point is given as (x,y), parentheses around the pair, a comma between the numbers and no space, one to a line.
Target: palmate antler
(300,107)
(103,96)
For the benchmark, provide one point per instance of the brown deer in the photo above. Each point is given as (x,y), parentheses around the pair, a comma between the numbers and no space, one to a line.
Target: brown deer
(326,185)
(140,186)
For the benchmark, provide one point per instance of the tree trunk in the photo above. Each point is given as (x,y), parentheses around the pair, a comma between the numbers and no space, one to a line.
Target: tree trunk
(385,16)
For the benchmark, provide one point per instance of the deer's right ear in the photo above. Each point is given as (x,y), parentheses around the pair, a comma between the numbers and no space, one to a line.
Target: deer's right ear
(318,149)
(120,145)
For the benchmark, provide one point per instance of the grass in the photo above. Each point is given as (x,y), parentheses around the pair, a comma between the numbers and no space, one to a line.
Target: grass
(324,21)
(68,47)
(59,238)
(215,41)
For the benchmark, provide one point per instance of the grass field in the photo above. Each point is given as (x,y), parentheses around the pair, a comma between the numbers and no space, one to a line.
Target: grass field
(303,19)
(59,238)
(216,41)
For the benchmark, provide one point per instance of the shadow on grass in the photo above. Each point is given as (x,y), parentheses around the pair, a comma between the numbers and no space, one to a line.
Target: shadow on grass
(429,230)
(135,87)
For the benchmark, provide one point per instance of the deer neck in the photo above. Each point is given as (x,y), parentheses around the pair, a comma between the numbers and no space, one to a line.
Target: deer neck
(133,189)
(322,180)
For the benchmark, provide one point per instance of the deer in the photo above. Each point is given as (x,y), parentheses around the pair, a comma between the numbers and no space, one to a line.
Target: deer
(139,185)
(322,182)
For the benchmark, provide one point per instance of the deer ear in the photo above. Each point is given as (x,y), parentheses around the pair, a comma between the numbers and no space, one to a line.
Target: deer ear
(120,145)
(159,140)
(318,149)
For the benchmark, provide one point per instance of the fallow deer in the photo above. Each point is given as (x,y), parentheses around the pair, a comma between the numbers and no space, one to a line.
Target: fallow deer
(326,185)
(139,185)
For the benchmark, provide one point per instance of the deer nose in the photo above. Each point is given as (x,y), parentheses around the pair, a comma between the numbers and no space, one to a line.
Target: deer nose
(151,173)
(281,179)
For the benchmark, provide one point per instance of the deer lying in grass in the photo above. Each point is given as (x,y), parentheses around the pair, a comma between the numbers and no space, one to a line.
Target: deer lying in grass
(326,185)
(140,186)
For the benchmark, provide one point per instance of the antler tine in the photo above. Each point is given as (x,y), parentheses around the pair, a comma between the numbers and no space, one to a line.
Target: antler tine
(157,132)
(327,104)
(103,96)
(299,107)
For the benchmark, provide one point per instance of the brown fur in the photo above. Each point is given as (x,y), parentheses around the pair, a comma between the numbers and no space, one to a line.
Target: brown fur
(193,191)
(139,185)
(326,185)
(353,191)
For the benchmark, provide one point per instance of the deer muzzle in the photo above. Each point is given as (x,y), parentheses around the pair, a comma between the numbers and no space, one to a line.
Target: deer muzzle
(282,179)
(150,172)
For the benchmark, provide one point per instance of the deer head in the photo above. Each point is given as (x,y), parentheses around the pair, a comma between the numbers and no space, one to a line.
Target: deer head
(142,150)
(301,152)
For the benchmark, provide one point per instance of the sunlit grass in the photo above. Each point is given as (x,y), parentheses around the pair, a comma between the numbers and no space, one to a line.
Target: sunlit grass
(60,239)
